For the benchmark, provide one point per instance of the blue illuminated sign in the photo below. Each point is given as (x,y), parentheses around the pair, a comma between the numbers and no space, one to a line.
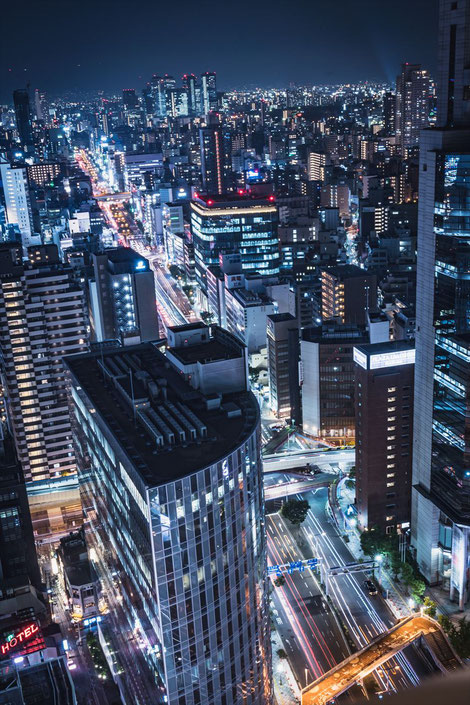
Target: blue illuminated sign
(140,265)
(290,567)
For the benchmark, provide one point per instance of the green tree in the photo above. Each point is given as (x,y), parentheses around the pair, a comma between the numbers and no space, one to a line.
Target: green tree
(430,607)
(395,564)
(407,573)
(280,580)
(417,588)
(281,653)
(371,542)
(295,510)
(459,634)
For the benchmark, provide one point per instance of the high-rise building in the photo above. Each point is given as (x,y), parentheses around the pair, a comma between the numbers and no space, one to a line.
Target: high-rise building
(18,201)
(42,319)
(283,365)
(160,86)
(348,293)
(190,86)
(211,144)
(122,296)
(24,122)
(129,98)
(208,92)
(412,105)
(316,165)
(328,380)
(17,550)
(242,223)
(389,107)
(384,434)
(174,499)
(441,463)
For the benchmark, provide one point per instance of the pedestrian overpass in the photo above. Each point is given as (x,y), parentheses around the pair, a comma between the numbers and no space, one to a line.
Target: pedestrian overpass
(359,665)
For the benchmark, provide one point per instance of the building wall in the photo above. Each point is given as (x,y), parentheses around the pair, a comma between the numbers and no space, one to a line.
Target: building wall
(384,433)
(184,567)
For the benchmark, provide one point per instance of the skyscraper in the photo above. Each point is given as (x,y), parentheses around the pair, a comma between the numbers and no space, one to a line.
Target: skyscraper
(242,223)
(189,85)
(389,106)
(208,92)
(384,434)
(412,105)
(24,123)
(174,500)
(212,156)
(17,200)
(122,296)
(441,464)
(42,319)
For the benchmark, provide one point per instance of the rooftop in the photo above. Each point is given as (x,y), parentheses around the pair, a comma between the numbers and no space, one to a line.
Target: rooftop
(241,199)
(390,346)
(347,271)
(162,426)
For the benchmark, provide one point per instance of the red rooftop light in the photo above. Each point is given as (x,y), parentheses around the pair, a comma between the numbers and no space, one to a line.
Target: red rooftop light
(271,198)
(210,203)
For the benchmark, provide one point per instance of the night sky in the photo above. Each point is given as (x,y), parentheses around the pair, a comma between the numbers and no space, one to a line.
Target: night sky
(86,45)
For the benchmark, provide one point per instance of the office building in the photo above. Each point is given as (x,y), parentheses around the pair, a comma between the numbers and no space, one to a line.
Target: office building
(328,380)
(384,434)
(81,582)
(18,201)
(190,86)
(412,105)
(174,500)
(348,293)
(129,99)
(122,296)
(23,116)
(283,366)
(242,223)
(42,319)
(212,157)
(48,683)
(44,174)
(441,466)
(208,92)
(245,316)
(389,108)
(18,561)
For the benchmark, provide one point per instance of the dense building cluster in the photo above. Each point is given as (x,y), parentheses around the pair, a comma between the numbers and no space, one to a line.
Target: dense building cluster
(184,272)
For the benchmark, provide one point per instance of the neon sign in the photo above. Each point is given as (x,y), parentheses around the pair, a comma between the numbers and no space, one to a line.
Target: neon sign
(26,633)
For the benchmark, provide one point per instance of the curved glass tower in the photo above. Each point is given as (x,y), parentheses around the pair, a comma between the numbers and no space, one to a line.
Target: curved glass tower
(173,496)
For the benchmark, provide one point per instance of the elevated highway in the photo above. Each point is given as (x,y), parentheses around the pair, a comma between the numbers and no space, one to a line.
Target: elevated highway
(359,665)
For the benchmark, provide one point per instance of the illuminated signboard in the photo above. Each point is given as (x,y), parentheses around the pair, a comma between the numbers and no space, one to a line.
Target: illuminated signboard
(392,359)
(22,638)
(360,358)
(387,359)
(141,265)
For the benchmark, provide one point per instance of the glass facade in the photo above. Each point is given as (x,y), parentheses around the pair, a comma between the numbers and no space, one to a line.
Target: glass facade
(183,565)
(451,441)
(250,231)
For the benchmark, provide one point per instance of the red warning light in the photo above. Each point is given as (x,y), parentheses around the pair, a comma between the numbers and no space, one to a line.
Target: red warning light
(210,203)
(271,198)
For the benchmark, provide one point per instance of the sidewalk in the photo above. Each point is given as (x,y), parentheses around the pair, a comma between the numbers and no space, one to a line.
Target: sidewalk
(286,690)
(340,499)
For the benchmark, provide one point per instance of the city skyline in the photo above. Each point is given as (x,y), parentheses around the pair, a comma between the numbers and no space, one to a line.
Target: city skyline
(331,45)
(235,353)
